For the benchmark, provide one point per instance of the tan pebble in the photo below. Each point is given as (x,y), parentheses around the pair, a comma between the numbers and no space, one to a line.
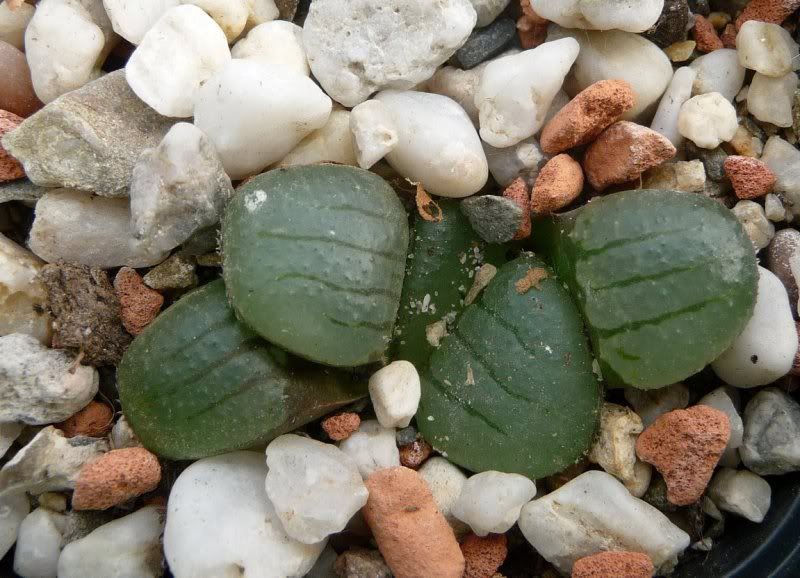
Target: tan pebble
(746,144)
(558,184)
(94,421)
(531,28)
(10,168)
(116,477)
(16,90)
(340,426)
(704,34)
(614,565)
(412,534)
(774,11)
(139,304)
(685,445)
(680,51)
(728,37)
(483,556)
(517,191)
(719,20)
(587,115)
(413,455)
(751,178)
(623,152)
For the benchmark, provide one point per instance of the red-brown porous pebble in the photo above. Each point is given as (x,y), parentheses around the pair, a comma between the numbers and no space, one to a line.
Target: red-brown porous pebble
(94,421)
(774,11)
(587,115)
(531,28)
(116,477)
(413,455)
(705,35)
(139,304)
(728,36)
(517,191)
(623,152)
(685,445)
(558,184)
(614,565)
(483,556)
(340,426)
(16,90)
(10,168)
(412,534)
(751,178)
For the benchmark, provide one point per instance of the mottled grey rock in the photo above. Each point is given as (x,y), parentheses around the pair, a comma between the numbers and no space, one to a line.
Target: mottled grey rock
(361,563)
(771,433)
(701,7)
(484,43)
(671,26)
(21,190)
(495,219)
(783,249)
(88,139)
(406,435)
(712,160)
(175,273)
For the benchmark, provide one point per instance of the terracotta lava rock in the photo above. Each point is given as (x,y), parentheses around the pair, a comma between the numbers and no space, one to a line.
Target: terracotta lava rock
(685,445)
(559,183)
(751,178)
(340,426)
(728,36)
(623,152)
(139,303)
(10,168)
(116,477)
(587,115)
(531,27)
(614,565)
(517,191)
(94,421)
(774,11)
(705,35)
(412,534)
(483,556)
(413,455)
(16,90)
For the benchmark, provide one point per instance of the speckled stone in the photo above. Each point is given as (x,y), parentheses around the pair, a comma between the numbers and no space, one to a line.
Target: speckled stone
(495,219)
(671,25)
(484,43)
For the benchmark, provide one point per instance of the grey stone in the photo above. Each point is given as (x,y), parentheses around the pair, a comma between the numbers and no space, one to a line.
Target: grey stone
(89,138)
(495,219)
(712,159)
(783,247)
(700,7)
(287,8)
(671,26)
(361,563)
(175,273)
(81,523)
(796,112)
(484,43)
(406,435)
(20,190)
(771,433)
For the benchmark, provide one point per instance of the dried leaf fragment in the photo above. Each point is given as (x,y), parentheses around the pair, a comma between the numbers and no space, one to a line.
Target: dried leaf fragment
(427,207)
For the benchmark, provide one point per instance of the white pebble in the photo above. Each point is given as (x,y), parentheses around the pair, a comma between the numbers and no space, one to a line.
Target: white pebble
(652,403)
(39,544)
(176,56)
(766,48)
(774,209)
(718,71)
(23,299)
(13,510)
(230,15)
(445,482)
(741,492)
(614,449)
(460,85)
(488,10)
(374,132)
(277,42)
(595,512)
(721,399)
(132,20)
(765,350)
(260,12)
(629,15)
(220,523)
(525,159)
(256,113)
(395,392)
(771,443)
(315,487)
(333,143)
(516,91)
(754,220)
(679,91)
(640,482)
(490,502)
(708,120)
(770,99)
(13,24)
(784,160)
(372,447)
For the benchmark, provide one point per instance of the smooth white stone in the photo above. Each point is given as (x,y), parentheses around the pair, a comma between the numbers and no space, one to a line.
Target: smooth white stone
(445,481)
(720,399)
(525,159)
(490,502)
(784,160)
(9,432)
(13,24)
(333,143)
(770,99)
(766,48)
(40,385)
(741,492)
(437,144)
(679,91)
(649,404)
(62,46)
(516,91)
(765,350)
(357,47)
(754,220)
(230,15)
(395,391)
(374,131)
(614,449)
(177,188)
(124,548)
(260,12)
(615,54)
(277,42)
(100,17)
(774,209)
(13,509)
(708,120)
(488,10)
(256,113)
(640,482)
(132,20)
(315,487)
(77,227)
(220,523)
(23,298)
(628,15)
(718,71)
(372,447)
(176,56)
(595,512)
(39,544)
(771,443)
(122,435)
(460,85)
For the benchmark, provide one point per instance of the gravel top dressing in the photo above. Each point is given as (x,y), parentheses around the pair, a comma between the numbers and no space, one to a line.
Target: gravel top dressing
(399,288)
